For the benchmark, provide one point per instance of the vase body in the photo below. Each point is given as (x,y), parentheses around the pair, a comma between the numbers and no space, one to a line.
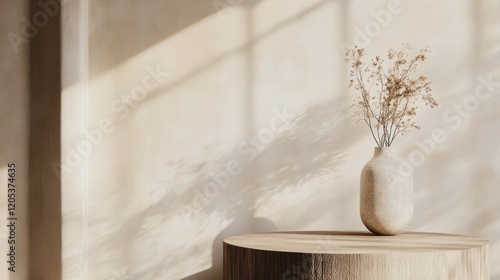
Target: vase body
(386,193)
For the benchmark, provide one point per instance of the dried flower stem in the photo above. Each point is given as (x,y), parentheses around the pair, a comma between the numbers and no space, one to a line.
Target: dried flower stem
(388,97)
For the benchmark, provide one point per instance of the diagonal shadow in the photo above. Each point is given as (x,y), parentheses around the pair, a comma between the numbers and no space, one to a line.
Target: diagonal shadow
(312,146)
(142,25)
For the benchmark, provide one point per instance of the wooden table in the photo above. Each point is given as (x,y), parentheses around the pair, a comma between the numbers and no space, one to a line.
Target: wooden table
(355,255)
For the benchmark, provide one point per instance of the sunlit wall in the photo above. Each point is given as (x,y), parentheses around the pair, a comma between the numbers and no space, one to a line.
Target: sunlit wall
(185,122)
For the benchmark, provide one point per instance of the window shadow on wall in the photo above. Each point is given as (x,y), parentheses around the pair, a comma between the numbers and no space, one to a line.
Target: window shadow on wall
(462,178)
(484,127)
(134,26)
(311,148)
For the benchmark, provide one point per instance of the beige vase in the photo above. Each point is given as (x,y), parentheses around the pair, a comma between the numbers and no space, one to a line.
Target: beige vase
(386,193)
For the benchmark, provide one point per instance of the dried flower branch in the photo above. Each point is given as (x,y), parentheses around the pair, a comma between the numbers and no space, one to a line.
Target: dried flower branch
(389,97)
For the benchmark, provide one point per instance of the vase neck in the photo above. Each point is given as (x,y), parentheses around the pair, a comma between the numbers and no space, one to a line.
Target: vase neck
(384,152)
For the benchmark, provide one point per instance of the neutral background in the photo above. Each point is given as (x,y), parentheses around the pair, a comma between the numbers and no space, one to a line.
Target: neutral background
(159,168)
(14,139)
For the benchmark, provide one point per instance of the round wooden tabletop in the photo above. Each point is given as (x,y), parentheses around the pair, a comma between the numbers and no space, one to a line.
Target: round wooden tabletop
(355,255)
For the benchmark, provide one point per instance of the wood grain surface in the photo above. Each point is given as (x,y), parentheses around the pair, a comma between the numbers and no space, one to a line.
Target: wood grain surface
(355,255)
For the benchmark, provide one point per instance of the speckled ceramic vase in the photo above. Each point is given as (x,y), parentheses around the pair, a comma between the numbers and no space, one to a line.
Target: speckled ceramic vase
(386,193)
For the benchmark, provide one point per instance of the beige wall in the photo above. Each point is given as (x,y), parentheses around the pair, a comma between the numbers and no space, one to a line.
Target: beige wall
(73,125)
(172,94)
(14,143)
